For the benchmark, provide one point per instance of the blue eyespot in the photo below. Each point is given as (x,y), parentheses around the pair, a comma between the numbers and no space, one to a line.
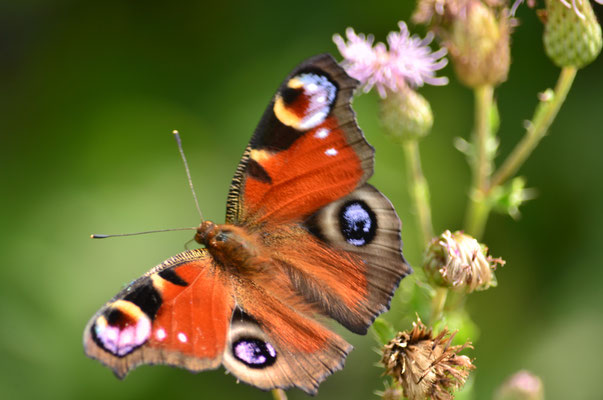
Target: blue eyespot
(358,223)
(254,353)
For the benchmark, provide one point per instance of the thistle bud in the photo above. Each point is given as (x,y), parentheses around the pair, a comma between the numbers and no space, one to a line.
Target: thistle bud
(459,261)
(521,386)
(426,366)
(477,35)
(406,114)
(508,198)
(572,37)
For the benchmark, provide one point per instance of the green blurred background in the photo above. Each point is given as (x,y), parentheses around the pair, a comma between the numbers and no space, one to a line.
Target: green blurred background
(90,91)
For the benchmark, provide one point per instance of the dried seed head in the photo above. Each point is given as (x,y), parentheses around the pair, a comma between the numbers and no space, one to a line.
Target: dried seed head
(426,366)
(476,33)
(391,392)
(458,260)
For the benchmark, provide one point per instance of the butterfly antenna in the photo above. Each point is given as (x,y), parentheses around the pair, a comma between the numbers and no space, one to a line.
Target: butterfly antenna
(188,172)
(187,243)
(141,233)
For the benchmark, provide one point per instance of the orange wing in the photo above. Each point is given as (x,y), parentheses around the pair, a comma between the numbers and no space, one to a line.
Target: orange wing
(272,344)
(306,152)
(177,314)
(303,177)
(188,312)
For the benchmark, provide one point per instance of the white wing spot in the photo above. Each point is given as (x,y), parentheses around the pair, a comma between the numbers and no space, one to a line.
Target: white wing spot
(331,152)
(160,334)
(312,87)
(313,120)
(182,337)
(321,133)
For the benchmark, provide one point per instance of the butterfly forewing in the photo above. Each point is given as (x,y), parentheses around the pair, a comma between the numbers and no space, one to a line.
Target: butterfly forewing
(306,151)
(177,314)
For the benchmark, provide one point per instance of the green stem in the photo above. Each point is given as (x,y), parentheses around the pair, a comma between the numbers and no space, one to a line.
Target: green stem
(437,304)
(478,210)
(484,98)
(279,394)
(419,189)
(477,214)
(543,117)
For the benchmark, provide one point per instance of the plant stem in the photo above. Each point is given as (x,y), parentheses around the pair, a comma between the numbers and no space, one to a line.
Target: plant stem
(279,394)
(477,214)
(437,304)
(484,97)
(419,189)
(543,117)
(478,210)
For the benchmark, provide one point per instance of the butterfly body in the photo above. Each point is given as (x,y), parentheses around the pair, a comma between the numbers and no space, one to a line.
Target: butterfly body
(233,248)
(305,236)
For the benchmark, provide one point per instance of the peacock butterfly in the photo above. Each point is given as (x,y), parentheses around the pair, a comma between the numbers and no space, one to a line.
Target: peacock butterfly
(305,236)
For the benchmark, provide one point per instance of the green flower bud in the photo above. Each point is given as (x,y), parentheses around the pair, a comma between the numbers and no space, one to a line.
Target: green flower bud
(508,198)
(459,261)
(572,37)
(521,386)
(406,115)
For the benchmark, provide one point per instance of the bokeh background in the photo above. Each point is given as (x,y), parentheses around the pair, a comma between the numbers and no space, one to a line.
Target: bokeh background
(89,93)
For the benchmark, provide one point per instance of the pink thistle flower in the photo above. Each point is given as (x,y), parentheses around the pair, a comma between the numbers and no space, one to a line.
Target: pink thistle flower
(408,62)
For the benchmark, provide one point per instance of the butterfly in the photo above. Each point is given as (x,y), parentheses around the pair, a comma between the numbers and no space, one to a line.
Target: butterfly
(305,238)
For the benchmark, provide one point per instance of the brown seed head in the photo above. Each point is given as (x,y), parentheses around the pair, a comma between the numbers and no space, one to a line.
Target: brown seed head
(476,33)
(459,261)
(426,366)
(393,392)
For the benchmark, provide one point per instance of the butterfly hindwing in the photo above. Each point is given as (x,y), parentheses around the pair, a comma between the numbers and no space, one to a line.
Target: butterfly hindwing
(271,344)
(176,314)
(365,225)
